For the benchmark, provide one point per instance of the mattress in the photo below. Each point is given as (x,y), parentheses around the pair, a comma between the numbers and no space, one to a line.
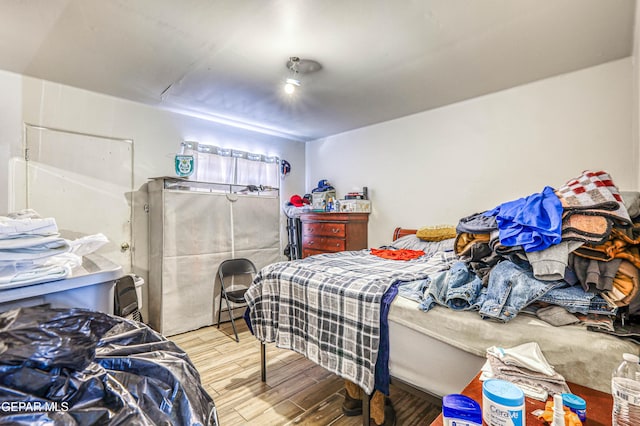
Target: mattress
(441,350)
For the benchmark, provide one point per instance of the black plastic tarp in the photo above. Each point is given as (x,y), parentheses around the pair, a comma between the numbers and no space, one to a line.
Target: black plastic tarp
(80,367)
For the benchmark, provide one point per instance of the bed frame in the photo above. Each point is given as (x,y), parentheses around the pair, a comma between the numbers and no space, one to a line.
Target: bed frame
(401,232)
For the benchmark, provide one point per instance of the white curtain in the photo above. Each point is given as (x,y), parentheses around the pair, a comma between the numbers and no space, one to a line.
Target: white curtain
(213,168)
(217,165)
(257,172)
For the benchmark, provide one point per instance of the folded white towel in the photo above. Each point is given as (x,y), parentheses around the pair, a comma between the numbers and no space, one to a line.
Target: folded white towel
(9,228)
(35,253)
(34,276)
(530,391)
(528,355)
(525,366)
(25,241)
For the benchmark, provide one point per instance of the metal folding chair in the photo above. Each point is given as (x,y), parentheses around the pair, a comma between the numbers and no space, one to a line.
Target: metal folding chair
(125,302)
(234,268)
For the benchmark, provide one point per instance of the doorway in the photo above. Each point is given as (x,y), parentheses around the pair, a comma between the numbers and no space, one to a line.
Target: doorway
(85,182)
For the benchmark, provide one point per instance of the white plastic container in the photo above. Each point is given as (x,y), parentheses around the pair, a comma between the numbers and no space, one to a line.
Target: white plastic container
(625,389)
(502,403)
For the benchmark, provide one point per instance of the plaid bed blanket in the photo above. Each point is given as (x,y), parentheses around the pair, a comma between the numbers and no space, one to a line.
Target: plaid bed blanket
(327,307)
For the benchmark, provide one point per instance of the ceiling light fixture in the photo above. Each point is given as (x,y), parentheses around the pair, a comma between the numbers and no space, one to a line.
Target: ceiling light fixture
(293,81)
(297,67)
(290,85)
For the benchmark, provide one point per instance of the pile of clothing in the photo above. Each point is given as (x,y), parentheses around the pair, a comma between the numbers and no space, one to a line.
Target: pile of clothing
(29,250)
(297,205)
(526,366)
(574,247)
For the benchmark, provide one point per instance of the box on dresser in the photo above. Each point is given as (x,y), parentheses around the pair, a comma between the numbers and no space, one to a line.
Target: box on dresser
(333,232)
(355,206)
(320,200)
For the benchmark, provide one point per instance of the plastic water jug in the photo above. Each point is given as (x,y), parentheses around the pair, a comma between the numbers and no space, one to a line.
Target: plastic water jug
(625,389)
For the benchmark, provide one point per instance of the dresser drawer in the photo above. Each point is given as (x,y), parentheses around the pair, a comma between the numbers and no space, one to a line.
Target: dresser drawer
(315,242)
(327,229)
(310,252)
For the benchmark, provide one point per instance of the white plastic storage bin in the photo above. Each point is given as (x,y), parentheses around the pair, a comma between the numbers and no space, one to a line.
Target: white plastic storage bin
(138,281)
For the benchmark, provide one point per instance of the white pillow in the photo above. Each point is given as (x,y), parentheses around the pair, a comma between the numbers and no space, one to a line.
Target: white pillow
(411,242)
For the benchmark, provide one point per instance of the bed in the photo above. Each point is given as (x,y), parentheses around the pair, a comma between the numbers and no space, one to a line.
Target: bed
(437,352)
(454,345)
(76,366)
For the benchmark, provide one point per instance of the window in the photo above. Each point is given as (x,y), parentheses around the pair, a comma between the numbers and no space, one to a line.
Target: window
(218,165)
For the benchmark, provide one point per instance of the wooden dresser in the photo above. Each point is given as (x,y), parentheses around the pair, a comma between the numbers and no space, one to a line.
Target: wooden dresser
(331,232)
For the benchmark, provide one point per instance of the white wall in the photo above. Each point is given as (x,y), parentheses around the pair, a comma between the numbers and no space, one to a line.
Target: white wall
(437,166)
(156,136)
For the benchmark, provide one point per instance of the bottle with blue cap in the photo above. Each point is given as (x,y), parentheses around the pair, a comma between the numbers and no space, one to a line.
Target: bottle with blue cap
(575,404)
(460,410)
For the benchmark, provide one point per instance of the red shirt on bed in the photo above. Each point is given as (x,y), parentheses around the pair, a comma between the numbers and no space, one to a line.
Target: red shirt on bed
(401,254)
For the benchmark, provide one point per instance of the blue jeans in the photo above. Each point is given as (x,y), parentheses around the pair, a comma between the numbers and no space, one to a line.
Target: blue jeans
(414,290)
(510,289)
(575,300)
(456,289)
(600,306)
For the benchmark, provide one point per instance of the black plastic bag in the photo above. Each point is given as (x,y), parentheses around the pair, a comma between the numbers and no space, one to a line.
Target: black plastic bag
(74,366)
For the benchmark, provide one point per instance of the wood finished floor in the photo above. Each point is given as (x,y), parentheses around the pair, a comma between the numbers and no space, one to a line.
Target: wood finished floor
(297,391)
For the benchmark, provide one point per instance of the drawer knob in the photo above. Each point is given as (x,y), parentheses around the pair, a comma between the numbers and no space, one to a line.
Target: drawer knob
(335,230)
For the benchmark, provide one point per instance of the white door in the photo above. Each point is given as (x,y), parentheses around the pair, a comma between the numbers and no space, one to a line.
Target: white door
(86,183)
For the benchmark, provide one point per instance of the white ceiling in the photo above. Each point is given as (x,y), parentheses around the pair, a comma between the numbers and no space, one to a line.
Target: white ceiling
(225,59)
